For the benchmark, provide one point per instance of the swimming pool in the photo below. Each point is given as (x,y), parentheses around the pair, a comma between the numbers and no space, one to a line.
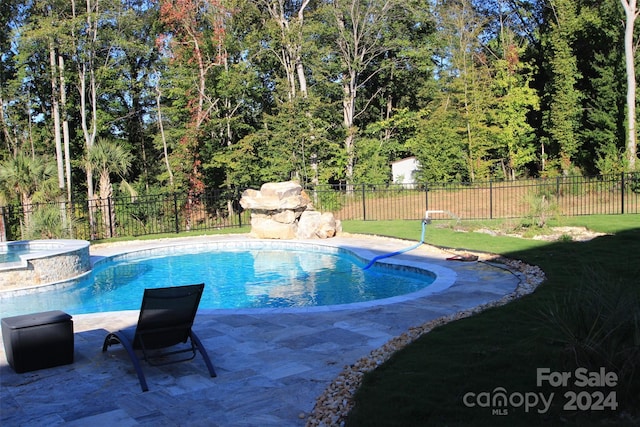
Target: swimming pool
(237,275)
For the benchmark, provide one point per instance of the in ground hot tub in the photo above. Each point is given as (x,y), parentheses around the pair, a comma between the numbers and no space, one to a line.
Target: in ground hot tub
(28,263)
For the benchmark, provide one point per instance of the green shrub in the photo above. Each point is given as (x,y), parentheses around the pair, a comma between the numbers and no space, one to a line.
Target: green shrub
(49,222)
(542,208)
(598,325)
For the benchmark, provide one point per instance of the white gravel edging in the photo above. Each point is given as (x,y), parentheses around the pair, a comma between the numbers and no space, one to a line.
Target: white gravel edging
(335,403)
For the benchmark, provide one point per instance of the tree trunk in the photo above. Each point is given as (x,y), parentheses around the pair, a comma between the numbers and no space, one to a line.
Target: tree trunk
(388,112)
(163,136)
(3,225)
(348,112)
(27,210)
(106,195)
(65,126)
(56,114)
(631,12)
(202,83)
(302,79)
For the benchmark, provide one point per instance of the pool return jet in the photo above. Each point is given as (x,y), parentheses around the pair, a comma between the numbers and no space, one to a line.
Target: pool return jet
(425,221)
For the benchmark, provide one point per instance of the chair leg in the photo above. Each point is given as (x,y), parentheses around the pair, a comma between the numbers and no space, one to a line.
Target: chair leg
(203,352)
(114,338)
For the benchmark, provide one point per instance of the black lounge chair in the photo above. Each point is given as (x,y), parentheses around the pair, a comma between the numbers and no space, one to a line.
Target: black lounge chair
(166,318)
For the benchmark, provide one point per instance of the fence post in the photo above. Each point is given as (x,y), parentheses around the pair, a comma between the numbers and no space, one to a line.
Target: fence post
(109,207)
(490,199)
(3,228)
(364,205)
(622,184)
(175,212)
(92,219)
(237,203)
(426,198)
(73,232)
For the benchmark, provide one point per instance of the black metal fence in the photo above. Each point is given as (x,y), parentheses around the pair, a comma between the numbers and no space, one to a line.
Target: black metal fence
(219,209)
(124,216)
(562,196)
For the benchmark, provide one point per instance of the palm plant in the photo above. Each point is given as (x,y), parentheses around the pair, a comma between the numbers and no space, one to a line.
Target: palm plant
(29,179)
(106,157)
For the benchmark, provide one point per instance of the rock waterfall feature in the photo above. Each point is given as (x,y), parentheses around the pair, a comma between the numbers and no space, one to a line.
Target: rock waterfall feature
(282,210)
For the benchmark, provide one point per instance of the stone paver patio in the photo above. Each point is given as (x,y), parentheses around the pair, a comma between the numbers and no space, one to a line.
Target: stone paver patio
(272,364)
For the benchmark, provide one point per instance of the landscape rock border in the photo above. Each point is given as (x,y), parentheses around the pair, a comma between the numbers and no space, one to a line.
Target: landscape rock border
(335,403)
(578,234)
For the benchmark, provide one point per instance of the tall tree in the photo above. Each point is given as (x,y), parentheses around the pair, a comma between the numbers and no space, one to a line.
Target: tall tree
(41,123)
(287,43)
(238,86)
(403,86)
(129,98)
(600,59)
(562,99)
(195,38)
(466,79)
(437,144)
(513,98)
(9,21)
(84,49)
(362,39)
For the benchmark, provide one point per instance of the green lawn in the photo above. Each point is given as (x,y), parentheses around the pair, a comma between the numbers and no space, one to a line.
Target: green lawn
(585,315)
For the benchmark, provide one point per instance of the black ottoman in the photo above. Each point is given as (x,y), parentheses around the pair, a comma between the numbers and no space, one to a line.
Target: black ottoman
(38,340)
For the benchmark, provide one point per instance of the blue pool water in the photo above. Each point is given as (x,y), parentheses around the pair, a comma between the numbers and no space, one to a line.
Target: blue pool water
(12,256)
(255,278)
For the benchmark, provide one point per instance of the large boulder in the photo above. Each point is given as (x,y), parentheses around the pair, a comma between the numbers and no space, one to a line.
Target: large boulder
(276,197)
(263,227)
(282,210)
(316,225)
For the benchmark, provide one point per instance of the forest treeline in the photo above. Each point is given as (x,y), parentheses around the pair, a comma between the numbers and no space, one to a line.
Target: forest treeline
(186,95)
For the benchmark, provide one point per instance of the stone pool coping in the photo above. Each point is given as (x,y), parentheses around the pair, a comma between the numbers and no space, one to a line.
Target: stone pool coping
(444,277)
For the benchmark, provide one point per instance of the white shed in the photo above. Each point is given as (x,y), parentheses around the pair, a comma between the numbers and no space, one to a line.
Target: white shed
(404,170)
